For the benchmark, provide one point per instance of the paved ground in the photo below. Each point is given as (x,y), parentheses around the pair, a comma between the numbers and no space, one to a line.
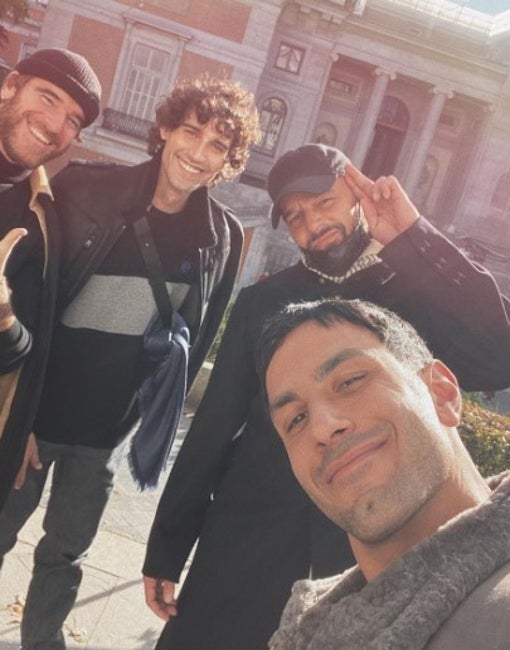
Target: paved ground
(110,612)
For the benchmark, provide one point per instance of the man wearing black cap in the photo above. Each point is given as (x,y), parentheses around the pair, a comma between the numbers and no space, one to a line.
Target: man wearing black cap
(44,103)
(259,532)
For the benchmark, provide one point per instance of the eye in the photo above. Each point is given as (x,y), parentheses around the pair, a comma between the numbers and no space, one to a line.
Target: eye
(47,99)
(295,422)
(326,201)
(351,383)
(74,123)
(292,219)
(220,147)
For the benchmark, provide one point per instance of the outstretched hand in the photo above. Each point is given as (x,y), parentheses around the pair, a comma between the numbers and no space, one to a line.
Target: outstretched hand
(387,208)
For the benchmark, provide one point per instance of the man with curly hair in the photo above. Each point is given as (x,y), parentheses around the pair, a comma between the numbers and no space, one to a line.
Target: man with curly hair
(97,363)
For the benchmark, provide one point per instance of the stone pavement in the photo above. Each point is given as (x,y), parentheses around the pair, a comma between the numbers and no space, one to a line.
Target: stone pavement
(110,612)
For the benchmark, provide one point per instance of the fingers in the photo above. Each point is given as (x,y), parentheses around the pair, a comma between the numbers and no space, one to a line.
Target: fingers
(19,481)
(365,188)
(159,596)
(167,597)
(30,459)
(7,245)
(360,184)
(382,188)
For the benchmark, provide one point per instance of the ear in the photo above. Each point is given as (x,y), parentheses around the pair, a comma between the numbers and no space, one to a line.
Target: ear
(9,86)
(163,132)
(445,392)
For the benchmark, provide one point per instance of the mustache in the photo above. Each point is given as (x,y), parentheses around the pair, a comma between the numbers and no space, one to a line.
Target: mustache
(325,229)
(344,446)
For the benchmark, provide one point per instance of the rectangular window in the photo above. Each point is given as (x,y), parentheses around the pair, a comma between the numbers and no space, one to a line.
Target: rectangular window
(341,87)
(289,58)
(144,82)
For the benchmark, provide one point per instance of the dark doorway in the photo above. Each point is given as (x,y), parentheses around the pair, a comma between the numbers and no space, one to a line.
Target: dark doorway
(387,140)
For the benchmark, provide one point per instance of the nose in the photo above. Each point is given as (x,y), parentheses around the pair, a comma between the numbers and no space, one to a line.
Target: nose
(55,121)
(314,222)
(327,425)
(198,151)
(312,219)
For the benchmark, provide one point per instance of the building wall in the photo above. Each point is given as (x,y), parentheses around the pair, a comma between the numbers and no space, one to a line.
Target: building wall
(413,88)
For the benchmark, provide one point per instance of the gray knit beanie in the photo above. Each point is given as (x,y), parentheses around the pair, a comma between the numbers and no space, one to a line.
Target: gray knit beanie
(69,71)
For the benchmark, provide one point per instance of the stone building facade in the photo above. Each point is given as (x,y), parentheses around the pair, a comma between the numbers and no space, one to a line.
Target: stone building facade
(418,88)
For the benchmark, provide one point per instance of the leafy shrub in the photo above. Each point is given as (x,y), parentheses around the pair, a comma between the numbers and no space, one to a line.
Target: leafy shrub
(486,435)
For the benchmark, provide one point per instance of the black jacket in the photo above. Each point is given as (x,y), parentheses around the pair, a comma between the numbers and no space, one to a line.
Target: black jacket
(260,533)
(97,201)
(32,277)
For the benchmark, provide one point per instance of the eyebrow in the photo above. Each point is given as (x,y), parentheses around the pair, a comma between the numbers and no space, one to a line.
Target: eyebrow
(221,136)
(336,360)
(319,374)
(281,401)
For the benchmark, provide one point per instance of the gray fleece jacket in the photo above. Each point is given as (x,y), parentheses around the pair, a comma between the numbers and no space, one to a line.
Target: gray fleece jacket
(451,592)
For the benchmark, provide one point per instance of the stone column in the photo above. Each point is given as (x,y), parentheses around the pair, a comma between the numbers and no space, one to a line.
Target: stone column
(364,136)
(439,97)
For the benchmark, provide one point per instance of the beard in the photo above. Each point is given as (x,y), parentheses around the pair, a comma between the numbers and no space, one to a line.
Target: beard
(338,259)
(11,121)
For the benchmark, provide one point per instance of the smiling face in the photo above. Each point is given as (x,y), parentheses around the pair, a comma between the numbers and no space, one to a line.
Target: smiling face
(318,222)
(361,429)
(38,120)
(193,155)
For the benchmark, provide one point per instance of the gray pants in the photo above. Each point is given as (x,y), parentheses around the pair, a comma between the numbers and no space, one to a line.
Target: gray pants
(82,482)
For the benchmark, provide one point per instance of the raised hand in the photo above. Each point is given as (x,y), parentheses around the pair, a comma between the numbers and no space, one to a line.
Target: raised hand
(387,208)
(7,245)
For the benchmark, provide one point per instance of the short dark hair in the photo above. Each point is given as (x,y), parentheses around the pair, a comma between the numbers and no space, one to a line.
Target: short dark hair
(401,339)
(229,102)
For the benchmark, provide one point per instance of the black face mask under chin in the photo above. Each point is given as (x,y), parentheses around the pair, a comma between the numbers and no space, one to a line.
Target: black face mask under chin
(339,259)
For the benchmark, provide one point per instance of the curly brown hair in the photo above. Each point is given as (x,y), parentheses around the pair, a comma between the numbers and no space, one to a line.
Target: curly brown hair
(210,98)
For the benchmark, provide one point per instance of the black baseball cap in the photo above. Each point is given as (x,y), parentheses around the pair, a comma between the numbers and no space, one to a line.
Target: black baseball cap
(311,168)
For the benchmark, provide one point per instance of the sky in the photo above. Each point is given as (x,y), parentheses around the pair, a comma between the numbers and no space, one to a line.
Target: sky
(488,6)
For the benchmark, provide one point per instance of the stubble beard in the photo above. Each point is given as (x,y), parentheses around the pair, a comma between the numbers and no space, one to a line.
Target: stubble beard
(377,516)
(10,121)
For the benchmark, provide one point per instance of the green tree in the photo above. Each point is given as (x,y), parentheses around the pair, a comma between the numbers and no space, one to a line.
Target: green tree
(12,11)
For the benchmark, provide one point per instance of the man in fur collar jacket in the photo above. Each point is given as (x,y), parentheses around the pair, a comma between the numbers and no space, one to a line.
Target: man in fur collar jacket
(368,419)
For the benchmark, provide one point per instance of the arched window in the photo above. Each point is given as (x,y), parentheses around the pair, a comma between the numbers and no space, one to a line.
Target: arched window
(393,113)
(501,195)
(272,116)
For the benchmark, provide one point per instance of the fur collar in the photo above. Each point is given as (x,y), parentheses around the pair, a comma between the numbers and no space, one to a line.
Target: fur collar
(404,606)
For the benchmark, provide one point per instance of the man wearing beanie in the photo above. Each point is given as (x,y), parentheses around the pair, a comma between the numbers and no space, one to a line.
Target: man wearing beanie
(138,242)
(259,533)
(44,103)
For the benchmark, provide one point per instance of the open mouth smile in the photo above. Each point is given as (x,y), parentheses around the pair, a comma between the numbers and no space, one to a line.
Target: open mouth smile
(190,169)
(39,135)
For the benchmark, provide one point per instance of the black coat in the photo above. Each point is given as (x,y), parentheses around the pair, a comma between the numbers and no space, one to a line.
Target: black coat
(32,277)
(260,533)
(97,201)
